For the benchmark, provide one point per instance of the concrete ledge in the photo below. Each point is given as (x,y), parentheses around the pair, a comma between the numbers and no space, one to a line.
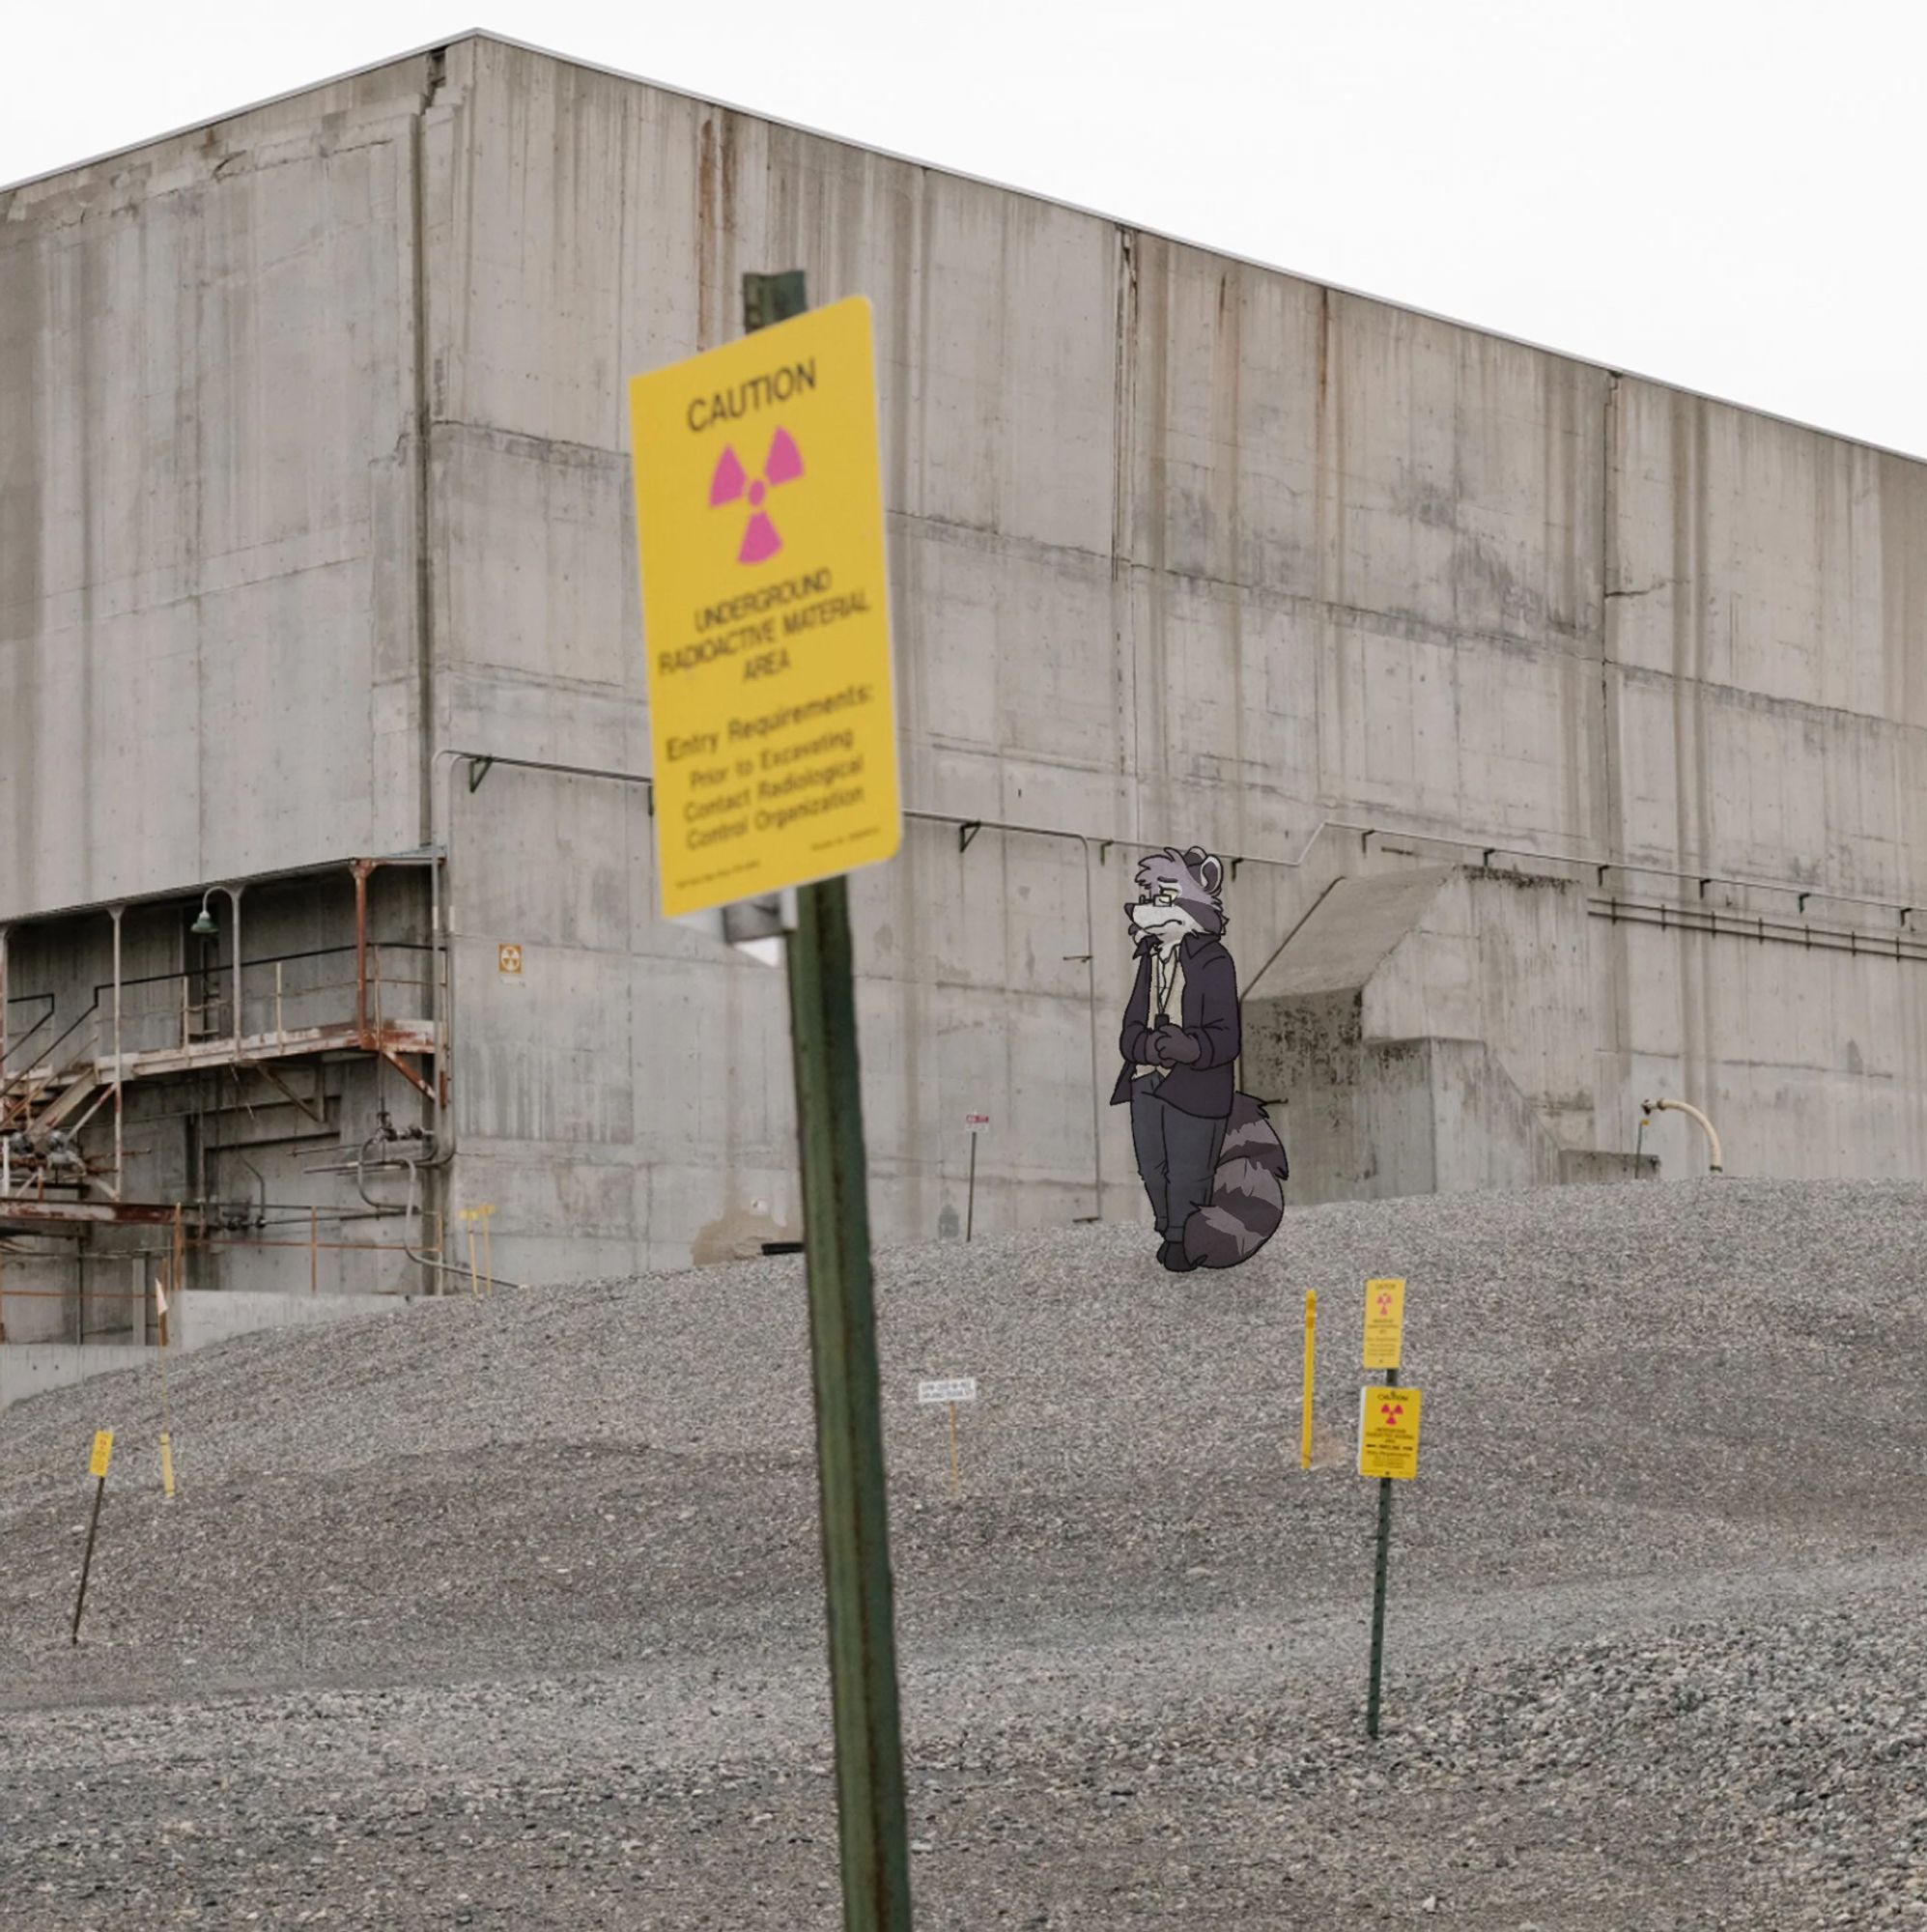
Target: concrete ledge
(1593,1165)
(208,1316)
(199,1319)
(32,1367)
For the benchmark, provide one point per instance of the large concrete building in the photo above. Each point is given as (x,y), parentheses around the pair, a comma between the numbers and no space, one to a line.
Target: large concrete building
(1564,732)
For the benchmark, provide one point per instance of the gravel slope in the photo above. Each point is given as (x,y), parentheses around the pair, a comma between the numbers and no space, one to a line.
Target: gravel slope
(509,1613)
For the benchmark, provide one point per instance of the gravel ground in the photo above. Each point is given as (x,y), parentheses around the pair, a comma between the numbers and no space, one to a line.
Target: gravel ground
(508,1613)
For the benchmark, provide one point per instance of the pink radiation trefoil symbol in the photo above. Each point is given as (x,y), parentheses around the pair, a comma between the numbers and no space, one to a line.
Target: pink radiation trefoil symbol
(730,483)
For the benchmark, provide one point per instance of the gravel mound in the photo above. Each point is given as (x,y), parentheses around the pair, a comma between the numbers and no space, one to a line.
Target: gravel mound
(508,1612)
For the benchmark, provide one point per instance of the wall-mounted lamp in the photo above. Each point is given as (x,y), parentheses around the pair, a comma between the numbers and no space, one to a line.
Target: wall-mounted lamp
(204,924)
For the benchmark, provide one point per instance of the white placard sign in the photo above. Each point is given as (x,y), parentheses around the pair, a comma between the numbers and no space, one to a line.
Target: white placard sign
(962,1389)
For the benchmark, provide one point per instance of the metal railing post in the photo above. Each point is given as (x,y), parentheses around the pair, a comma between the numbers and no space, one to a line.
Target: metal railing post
(234,899)
(849,1424)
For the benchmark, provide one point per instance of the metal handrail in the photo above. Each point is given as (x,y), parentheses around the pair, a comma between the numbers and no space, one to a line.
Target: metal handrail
(16,1041)
(47,1059)
(210,1016)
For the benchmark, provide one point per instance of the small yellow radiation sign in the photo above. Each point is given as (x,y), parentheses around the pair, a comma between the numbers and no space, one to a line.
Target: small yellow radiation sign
(1388,1432)
(765,610)
(508,961)
(1384,1323)
(104,1452)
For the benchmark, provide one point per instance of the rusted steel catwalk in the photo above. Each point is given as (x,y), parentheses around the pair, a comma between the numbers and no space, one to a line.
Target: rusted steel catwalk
(22,1216)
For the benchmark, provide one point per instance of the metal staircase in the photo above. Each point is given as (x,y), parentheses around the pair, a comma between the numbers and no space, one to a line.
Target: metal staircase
(44,1105)
(308,1005)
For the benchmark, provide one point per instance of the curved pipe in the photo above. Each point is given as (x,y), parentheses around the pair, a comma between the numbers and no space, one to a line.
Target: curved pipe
(428,1261)
(1648,1108)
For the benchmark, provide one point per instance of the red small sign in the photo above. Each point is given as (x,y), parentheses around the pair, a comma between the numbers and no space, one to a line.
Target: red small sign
(976,1122)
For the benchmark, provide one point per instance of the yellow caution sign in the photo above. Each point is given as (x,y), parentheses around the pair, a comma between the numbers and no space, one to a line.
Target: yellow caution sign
(765,610)
(1384,1323)
(103,1453)
(1388,1432)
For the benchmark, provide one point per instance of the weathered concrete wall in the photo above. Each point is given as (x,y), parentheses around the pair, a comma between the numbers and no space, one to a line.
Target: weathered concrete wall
(1387,1022)
(208,582)
(1182,549)
(201,1321)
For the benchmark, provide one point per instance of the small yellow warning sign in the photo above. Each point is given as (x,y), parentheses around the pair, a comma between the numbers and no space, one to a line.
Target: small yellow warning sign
(1384,1323)
(104,1451)
(1388,1432)
(765,610)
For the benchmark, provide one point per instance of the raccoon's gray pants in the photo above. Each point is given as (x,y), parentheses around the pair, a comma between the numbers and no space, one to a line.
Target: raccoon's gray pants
(1177,1156)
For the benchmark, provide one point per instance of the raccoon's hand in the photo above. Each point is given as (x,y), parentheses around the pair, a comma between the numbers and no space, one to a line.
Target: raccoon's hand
(1175,1048)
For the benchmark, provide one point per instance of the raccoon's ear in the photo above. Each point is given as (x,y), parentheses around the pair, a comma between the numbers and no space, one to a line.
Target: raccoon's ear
(1210,871)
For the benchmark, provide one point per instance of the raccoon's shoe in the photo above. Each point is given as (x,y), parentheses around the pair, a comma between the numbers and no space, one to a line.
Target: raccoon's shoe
(1174,1257)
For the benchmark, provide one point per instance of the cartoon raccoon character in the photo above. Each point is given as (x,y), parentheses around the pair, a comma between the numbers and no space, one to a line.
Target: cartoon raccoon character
(1208,1155)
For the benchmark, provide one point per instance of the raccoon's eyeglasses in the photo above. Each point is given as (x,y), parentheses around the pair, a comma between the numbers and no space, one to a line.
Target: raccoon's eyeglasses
(1168,897)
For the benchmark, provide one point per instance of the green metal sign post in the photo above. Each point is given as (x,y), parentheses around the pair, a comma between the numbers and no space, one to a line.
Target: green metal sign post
(1380,1575)
(873,1827)
(849,1424)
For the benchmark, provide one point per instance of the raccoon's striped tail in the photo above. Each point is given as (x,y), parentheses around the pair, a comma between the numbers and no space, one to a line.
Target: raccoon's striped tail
(1247,1191)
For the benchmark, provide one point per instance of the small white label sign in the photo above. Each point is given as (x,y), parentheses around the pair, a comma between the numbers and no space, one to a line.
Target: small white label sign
(962,1389)
(976,1122)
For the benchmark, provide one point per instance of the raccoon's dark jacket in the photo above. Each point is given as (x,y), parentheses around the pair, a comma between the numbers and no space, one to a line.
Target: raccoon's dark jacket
(1247,1190)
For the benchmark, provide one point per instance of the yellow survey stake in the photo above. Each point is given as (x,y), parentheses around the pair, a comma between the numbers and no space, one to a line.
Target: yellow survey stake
(1384,1323)
(766,611)
(1388,1432)
(104,1452)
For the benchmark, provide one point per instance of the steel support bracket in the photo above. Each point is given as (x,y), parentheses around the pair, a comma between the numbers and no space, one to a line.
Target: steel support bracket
(967,830)
(478,770)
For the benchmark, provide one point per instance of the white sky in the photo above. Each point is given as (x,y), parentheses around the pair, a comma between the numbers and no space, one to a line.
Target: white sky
(1726,196)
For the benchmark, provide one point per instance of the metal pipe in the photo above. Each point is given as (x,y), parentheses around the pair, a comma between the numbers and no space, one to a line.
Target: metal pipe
(120,1070)
(438,970)
(234,894)
(441,1267)
(1480,845)
(1717,1164)
(361,868)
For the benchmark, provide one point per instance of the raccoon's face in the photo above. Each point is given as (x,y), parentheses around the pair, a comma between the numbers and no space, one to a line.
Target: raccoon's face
(1178,896)
(1157,913)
